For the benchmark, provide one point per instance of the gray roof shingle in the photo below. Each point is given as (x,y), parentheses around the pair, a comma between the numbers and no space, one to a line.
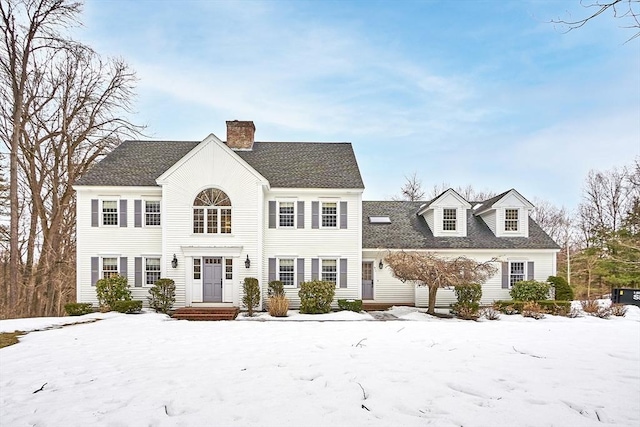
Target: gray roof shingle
(410,231)
(283,164)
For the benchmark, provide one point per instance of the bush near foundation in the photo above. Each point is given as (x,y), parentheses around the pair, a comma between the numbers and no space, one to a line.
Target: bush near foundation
(563,291)
(162,295)
(110,290)
(128,307)
(530,290)
(278,306)
(251,291)
(354,305)
(468,305)
(316,296)
(78,308)
(553,307)
(275,288)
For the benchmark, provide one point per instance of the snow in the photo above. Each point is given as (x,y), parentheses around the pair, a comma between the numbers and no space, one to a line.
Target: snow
(342,369)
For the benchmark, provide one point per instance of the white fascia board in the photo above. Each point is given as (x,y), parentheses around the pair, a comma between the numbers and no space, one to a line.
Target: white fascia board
(118,189)
(506,252)
(323,191)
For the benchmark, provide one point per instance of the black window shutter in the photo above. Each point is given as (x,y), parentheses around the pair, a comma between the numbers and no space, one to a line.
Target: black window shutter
(300,271)
(315,266)
(138,271)
(137,213)
(123,213)
(272,214)
(505,275)
(315,215)
(343,214)
(300,214)
(95,270)
(343,272)
(95,212)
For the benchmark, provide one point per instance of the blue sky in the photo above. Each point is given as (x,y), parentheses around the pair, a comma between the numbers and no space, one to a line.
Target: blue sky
(486,93)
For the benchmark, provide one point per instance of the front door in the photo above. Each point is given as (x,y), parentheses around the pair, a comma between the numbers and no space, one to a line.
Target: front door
(212,280)
(367,280)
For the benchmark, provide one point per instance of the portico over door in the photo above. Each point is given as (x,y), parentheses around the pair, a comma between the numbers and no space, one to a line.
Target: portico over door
(212,279)
(367,280)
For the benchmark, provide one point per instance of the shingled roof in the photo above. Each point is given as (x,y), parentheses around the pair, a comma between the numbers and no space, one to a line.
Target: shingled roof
(408,230)
(283,164)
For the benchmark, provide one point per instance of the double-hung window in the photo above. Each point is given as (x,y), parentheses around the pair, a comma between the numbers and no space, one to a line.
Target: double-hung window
(329,214)
(286,271)
(329,272)
(152,212)
(516,272)
(109,212)
(449,219)
(151,271)
(109,267)
(286,214)
(511,220)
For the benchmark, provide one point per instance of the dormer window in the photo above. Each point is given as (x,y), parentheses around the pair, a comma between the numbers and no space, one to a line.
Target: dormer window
(449,219)
(511,220)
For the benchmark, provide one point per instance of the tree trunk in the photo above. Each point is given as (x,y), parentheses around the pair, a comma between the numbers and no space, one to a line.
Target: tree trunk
(432,299)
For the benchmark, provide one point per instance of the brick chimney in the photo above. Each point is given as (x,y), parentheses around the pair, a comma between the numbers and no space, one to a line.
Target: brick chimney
(240,134)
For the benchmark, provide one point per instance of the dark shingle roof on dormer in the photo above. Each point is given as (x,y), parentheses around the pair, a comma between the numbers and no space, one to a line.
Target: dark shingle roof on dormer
(408,230)
(283,164)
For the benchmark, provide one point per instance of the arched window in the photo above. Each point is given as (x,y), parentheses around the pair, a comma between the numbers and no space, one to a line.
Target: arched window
(212,212)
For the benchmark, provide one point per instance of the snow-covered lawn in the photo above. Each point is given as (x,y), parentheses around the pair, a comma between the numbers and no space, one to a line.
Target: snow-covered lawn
(150,370)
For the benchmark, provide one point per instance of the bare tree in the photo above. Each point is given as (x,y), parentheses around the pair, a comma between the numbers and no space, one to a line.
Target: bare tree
(555,221)
(469,193)
(434,271)
(626,10)
(411,190)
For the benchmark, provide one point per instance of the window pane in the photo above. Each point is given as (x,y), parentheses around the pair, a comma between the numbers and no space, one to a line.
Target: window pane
(212,220)
(329,270)
(109,267)
(228,268)
(516,272)
(286,214)
(329,214)
(225,221)
(109,212)
(449,219)
(152,212)
(152,270)
(511,220)
(286,272)
(198,220)
(197,268)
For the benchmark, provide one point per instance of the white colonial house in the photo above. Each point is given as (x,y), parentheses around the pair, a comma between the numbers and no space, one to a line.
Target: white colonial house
(208,214)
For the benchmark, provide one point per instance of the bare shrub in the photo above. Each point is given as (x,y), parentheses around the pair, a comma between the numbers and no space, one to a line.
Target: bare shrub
(278,306)
(490,313)
(532,309)
(618,310)
(574,312)
(594,308)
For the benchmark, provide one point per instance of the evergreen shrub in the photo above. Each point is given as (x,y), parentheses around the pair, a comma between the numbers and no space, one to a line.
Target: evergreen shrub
(78,308)
(530,290)
(354,305)
(128,306)
(162,295)
(251,291)
(316,296)
(110,290)
(275,288)
(468,305)
(563,290)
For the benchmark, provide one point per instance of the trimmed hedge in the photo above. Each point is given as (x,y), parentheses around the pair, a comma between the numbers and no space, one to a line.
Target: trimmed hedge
(110,290)
(563,290)
(350,304)
(162,295)
(554,307)
(78,308)
(530,290)
(468,305)
(129,307)
(316,296)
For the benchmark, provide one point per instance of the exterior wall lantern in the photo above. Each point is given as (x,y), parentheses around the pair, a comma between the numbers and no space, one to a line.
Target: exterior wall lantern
(174,261)
(380,265)
(247,262)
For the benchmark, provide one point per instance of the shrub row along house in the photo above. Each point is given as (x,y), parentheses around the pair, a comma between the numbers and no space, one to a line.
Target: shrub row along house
(209,214)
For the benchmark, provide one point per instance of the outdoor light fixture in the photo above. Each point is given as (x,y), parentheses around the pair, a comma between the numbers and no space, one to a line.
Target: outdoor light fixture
(247,262)
(174,261)
(380,265)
